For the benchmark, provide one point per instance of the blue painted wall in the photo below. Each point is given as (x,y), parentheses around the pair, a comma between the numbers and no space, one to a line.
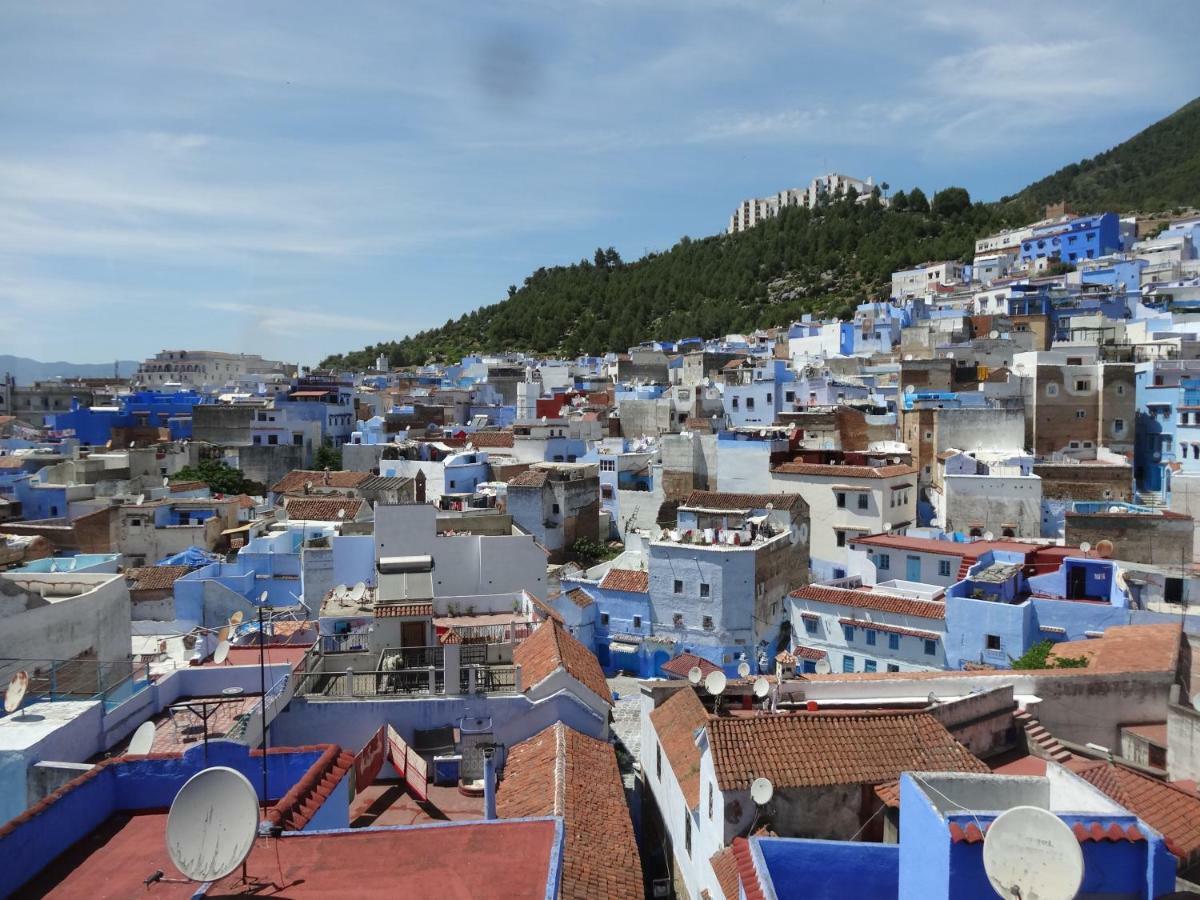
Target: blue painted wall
(821,870)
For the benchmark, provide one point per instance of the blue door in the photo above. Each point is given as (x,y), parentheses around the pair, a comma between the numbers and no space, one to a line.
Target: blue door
(661,657)
(912,568)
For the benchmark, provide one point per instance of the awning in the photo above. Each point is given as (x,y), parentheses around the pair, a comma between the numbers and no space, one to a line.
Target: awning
(619,647)
(239,529)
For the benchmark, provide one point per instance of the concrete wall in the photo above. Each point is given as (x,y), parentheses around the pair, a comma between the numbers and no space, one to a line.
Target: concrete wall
(1153,540)
(1183,742)
(993,503)
(267,464)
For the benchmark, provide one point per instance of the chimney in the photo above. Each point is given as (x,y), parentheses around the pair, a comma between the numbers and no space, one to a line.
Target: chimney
(489,782)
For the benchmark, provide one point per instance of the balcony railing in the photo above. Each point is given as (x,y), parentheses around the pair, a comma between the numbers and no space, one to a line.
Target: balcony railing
(397,683)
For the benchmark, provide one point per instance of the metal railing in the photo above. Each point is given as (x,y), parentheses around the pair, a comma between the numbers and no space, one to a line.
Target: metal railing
(113,681)
(412,657)
(354,642)
(404,682)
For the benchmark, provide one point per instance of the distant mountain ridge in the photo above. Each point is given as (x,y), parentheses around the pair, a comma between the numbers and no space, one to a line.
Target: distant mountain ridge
(27,371)
(821,261)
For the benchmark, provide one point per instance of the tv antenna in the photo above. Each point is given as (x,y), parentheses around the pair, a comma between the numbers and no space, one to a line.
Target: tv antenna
(212,824)
(743,669)
(695,674)
(18,686)
(1030,852)
(142,741)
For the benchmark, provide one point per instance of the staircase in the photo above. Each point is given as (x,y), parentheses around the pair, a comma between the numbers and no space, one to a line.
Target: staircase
(1040,741)
(301,803)
(1153,499)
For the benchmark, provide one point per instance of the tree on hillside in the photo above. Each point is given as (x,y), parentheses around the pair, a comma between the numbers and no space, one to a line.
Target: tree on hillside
(900,201)
(951,201)
(220,478)
(917,201)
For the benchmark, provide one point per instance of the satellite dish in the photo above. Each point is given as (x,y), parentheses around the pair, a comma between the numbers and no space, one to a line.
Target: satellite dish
(139,499)
(932,699)
(743,669)
(212,824)
(1196,703)
(15,694)
(223,634)
(262,598)
(761,687)
(993,334)
(166,481)
(236,618)
(761,791)
(694,674)
(341,514)
(714,683)
(360,590)
(909,389)
(221,653)
(1030,852)
(989,536)
(1121,583)
(1085,546)
(142,740)
(823,667)
(281,514)
(1104,548)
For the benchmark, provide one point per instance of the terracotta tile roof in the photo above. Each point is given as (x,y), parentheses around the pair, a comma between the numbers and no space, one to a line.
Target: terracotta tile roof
(868,599)
(317,508)
(829,748)
(723,500)
(1083,831)
(812,653)
(530,478)
(1126,648)
(485,439)
(296,479)
(155,578)
(244,501)
(633,581)
(178,487)
(12,462)
(296,808)
(544,609)
(580,597)
(1163,806)
(832,471)
(560,772)
(745,869)
(450,636)
(684,663)
(889,793)
(891,629)
(550,648)
(724,866)
(1155,732)
(398,610)
(676,721)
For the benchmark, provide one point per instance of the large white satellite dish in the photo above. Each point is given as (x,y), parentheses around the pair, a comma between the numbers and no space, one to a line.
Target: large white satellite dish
(714,683)
(694,674)
(223,634)
(762,687)
(823,667)
(262,598)
(15,695)
(761,791)
(359,591)
(743,669)
(236,619)
(142,740)
(221,653)
(1030,852)
(212,824)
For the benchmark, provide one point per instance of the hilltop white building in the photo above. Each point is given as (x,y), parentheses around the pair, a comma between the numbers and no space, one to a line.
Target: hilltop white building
(750,212)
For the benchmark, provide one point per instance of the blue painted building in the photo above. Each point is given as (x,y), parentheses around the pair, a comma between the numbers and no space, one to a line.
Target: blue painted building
(1158,394)
(1187,427)
(92,426)
(1086,237)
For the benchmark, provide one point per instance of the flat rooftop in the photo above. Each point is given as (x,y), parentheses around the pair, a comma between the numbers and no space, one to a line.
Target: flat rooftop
(391,803)
(499,859)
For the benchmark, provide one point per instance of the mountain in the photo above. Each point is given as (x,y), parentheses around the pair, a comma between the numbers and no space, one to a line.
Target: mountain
(27,371)
(821,261)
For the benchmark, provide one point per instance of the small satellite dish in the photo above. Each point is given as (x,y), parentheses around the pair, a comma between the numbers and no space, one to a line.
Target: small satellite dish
(823,667)
(1030,852)
(761,687)
(221,653)
(142,740)
(909,389)
(714,683)
(743,669)
(989,536)
(139,499)
(761,791)
(212,824)
(341,514)
(360,590)
(223,633)
(15,694)
(993,334)
(932,699)
(1085,546)
(1120,581)
(262,598)
(1104,548)
(236,618)
(694,674)
(166,481)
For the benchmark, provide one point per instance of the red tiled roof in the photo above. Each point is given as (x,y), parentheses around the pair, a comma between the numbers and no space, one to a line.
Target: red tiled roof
(1083,831)
(1126,648)
(560,772)
(830,748)
(808,652)
(485,439)
(318,508)
(633,581)
(1155,732)
(724,866)
(1163,806)
(889,793)
(745,869)
(869,599)
(676,721)
(296,808)
(178,487)
(685,662)
(155,578)
(724,500)
(530,478)
(833,471)
(398,610)
(297,478)
(580,597)
(550,648)
(891,629)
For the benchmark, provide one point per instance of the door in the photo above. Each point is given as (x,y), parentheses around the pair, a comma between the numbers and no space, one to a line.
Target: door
(1076,582)
(412,634)
(912,568)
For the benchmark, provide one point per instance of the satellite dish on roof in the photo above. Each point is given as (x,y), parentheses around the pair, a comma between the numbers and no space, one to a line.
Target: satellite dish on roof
(223,633)
(142,740)
(1104,548)
(909,389)
(221,653)
(743,669)
(166,481)
(1121,583)
(993,334)
(1085,546)
(823,667)
(761,687)
(715,683)
(761,791)
(360,590)
(341,514)
(139,499)
(281,514)
(694,674)
(236,618)
(262,598)
(15,695)
(989,536)
(1030,852)
(212,824)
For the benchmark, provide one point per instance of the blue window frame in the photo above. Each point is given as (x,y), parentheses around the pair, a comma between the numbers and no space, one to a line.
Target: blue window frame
(810,625)
(809,666)
(884,561)
(944,568)
(893,642)
(869,665)
(847,663)
(930,648)
(848,632)
(871,635)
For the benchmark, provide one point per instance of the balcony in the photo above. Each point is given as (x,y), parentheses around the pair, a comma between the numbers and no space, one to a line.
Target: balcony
(337,668)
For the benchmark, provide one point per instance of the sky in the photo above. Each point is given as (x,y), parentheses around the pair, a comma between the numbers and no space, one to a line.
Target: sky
(298,178)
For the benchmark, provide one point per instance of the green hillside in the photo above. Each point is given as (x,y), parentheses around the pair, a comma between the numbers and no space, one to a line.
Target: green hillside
(821,261)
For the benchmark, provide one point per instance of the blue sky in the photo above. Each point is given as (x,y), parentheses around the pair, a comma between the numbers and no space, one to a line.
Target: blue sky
(301,178)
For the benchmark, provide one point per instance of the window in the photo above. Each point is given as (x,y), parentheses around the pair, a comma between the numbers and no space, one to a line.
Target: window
(1052,390)
(735,402)
(687,831)
(708,623)
(135,523)
(1083,384)
(678,586)
(554,509)
(841,538)
(769,397)
(993,642)
(841,500)
(848,632)
(637,621)
(705,589)
(1081,414)
(1118,426)
(1120,390)
(863,501)
(892,667)
(272,439)
(847,663)
(297,440)
(810,626)
(749,403)
(944,568)
(710,801)
(869,665)
(789,396)
(677,620)
(606,491)
(930,647)
(604,618)
(893,642)
(658,760)
(884,561)
(608,465)
(872,634)
(453,483)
